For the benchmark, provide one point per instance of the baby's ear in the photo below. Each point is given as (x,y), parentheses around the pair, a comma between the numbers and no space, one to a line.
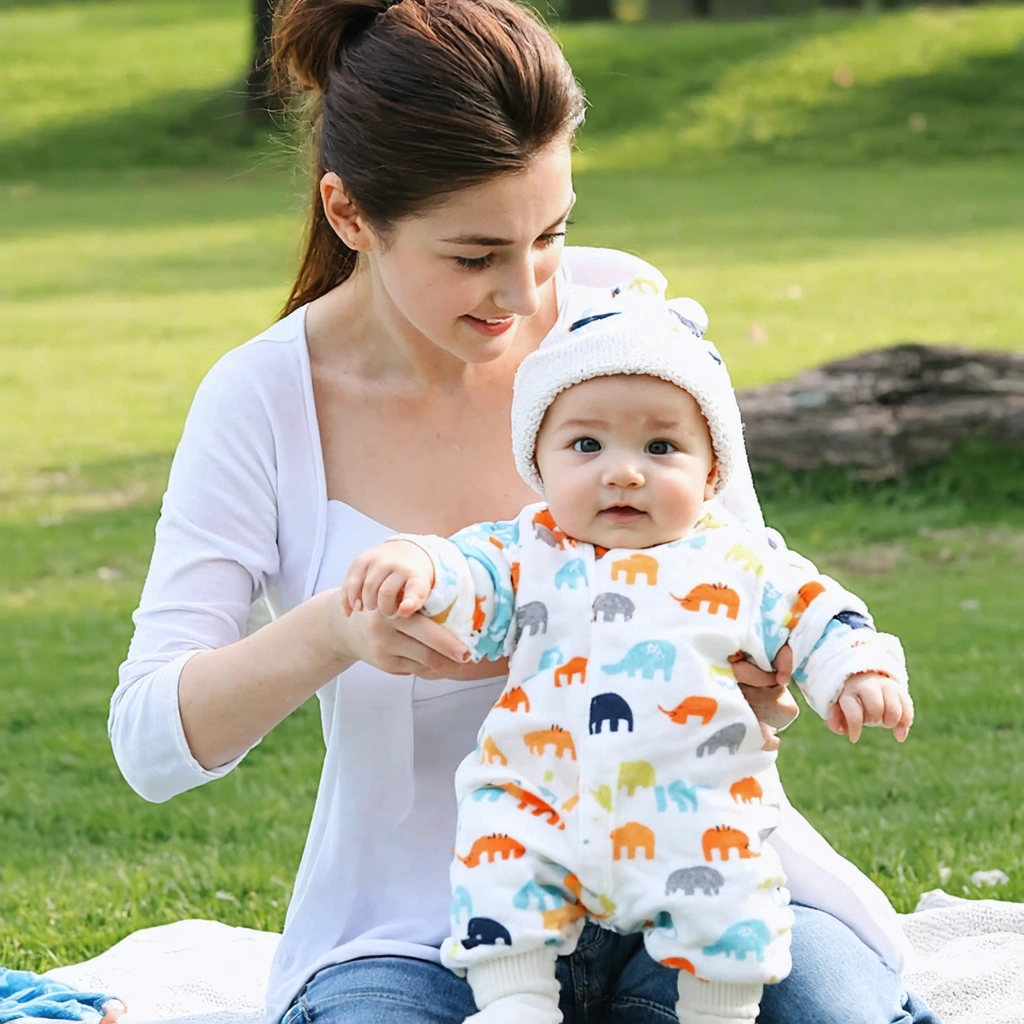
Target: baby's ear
(712,482)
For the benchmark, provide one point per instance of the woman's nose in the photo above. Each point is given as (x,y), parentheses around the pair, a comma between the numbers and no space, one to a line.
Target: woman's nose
(518,293)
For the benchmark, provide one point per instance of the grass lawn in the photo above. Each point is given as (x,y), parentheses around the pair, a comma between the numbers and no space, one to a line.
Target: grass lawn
(143,232)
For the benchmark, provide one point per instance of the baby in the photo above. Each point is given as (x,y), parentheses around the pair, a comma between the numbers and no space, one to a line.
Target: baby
(621,777)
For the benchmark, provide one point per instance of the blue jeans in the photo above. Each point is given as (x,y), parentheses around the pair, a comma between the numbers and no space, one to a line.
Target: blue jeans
(610,979)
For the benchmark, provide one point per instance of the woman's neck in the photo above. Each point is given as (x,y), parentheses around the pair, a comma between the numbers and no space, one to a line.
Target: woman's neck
(356,329)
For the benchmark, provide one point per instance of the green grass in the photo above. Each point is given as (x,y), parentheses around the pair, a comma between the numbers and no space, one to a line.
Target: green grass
(144,230)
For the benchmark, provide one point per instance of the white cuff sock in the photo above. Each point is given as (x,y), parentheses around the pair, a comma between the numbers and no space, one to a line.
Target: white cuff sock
(717,1002)
(500,976)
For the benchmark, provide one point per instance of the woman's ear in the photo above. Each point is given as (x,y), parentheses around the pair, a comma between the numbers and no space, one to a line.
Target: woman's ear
(347,222)
(712,481)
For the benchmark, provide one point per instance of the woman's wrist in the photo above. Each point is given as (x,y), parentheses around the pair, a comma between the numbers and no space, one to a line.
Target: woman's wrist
(333,635)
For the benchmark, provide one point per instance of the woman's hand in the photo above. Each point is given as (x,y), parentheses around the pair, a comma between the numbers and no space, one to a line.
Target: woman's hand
(403,646)
(767,694)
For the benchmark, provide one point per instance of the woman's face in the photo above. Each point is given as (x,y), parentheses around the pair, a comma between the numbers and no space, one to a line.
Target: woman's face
(465,274)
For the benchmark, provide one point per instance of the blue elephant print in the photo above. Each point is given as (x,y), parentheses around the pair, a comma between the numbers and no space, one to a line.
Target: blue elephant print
(572,575)
(647,658)
(740,939)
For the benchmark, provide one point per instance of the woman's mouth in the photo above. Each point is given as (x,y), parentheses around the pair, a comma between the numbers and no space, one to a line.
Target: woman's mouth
(490,327)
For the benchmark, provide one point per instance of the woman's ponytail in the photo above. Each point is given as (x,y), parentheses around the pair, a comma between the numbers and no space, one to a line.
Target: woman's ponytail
(412,100)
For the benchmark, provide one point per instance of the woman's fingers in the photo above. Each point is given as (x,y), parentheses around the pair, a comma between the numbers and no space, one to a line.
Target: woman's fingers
(434,637)
(783,664)
(748,674)
(773,705)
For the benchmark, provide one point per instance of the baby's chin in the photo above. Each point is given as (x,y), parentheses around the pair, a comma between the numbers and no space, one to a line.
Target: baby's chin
(641,535)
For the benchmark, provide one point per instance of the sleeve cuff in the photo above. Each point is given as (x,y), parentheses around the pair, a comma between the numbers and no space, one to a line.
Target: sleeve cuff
(148,737)
(857,651)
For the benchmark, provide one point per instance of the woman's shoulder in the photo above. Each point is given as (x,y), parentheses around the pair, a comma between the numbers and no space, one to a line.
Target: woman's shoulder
(268,362)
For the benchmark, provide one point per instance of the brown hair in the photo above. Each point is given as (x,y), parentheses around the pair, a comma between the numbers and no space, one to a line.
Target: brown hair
(412,101)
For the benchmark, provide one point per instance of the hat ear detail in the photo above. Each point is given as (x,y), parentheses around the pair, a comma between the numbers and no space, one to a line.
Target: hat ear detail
(583,321)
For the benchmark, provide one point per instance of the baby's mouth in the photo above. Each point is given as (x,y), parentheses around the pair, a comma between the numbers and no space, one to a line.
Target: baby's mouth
(622,513)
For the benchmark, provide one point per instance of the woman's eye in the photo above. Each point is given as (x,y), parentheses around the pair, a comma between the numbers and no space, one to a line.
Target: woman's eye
(661,448)
(586,446)
(475,262)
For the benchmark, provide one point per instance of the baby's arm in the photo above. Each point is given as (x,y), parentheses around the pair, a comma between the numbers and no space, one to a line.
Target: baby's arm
(851,675)
(465,582)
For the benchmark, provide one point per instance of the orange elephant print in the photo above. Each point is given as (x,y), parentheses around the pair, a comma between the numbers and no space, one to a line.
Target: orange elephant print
(805,595)
(479,616)
(532,802)
(514,699)
(630,839)
(575,668)
(562,917)
(746,791)
(489,753)
(724,840)
(555,737)
(547,531)
(703,708)
(715,595)
(679,963)
(636,565)
(491,848)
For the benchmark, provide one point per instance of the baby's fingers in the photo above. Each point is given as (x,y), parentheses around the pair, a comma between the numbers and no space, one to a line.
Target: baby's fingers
(414,595)
(906,717)
(389,594)
(352,589)
(853,713)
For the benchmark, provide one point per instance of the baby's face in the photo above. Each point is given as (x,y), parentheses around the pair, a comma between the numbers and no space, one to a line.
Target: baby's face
(626,461)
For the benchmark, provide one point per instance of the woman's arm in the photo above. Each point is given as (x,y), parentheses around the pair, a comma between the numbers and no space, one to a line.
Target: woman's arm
(195,694)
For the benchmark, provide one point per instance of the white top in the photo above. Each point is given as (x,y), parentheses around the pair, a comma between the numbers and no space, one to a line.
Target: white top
(246,517)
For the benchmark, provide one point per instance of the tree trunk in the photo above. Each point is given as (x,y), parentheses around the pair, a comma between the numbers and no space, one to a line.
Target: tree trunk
(588,10)
(258,92)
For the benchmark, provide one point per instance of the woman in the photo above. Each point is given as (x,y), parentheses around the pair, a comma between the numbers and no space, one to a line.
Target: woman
(380,402)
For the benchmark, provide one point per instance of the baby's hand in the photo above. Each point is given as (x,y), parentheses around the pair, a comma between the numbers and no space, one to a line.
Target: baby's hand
(393,578)
(869,698)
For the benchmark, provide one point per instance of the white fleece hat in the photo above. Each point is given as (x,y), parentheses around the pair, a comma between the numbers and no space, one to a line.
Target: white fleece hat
(630,336)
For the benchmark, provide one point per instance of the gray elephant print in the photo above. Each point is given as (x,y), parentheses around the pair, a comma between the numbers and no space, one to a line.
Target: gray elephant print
(730,737)
(534,616)
(689,880)
(609,604)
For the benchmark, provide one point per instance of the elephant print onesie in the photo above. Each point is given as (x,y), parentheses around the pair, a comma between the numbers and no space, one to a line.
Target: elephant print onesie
(620,775)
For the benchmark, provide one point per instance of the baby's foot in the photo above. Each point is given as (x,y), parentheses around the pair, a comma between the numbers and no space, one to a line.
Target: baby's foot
(519,1009)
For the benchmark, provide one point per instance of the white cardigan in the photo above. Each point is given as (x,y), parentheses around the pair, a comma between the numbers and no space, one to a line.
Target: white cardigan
(245,517)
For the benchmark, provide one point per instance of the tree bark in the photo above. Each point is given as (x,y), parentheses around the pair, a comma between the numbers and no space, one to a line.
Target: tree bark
(588,10)
(258,86)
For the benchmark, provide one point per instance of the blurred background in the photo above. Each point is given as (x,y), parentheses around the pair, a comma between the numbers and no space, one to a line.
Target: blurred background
(828,180)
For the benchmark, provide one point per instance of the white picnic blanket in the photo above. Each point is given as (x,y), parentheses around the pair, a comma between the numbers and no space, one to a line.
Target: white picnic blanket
(970,966)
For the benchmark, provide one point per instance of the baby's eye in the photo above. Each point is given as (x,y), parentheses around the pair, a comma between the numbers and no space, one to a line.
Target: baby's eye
(475,262)
(661,448)
(586,446)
